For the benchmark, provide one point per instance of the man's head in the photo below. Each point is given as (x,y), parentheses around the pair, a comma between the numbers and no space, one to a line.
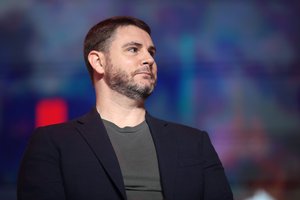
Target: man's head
(120,50)
(100,35)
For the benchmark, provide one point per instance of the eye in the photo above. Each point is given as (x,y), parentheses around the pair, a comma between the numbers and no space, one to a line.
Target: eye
(133,49)
(152,53)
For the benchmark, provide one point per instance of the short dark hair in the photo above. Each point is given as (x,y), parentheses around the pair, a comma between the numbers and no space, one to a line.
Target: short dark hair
(98,37)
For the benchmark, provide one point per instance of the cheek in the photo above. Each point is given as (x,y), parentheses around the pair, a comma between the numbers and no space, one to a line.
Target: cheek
(122,61)
(154,69)
(123,65)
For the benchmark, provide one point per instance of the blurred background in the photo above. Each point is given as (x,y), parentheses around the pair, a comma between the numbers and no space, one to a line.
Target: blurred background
(228,67)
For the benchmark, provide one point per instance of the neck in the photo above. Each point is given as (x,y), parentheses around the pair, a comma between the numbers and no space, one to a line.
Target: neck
(119,109)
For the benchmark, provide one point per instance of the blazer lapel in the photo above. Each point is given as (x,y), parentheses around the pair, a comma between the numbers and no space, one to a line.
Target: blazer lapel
(166,149)
(93,131)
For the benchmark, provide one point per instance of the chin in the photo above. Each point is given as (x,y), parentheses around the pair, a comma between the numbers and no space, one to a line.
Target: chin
(147,86)
(147,79)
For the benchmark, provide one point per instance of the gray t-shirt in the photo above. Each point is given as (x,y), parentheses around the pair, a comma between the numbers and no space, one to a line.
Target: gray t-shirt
(137,158)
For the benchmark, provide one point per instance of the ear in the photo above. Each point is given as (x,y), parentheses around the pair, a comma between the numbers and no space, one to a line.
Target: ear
(97,61)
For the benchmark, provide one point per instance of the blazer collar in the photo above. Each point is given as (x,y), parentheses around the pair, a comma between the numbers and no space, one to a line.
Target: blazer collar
(166,147)
(94,133)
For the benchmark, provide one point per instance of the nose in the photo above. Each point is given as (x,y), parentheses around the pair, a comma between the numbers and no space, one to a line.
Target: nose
(148,59)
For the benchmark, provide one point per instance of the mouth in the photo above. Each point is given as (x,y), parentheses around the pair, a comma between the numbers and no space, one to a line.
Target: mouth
(144,73)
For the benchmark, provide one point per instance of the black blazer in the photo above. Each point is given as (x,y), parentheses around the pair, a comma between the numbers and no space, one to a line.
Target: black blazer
(76,161)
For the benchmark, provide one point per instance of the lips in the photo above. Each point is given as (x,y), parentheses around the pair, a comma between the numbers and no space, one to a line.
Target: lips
(147,73)
(143,71)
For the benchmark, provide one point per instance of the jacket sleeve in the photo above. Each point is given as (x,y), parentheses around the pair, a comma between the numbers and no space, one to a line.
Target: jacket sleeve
(40,176)
(216,186)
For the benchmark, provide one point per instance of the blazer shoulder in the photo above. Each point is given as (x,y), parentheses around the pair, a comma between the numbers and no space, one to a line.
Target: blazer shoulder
(68,124)
(69,128)
(58,126)
(185,127)
(176,127)
(58,130)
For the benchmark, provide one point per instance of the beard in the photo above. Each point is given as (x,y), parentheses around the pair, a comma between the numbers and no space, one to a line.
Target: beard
(123,83)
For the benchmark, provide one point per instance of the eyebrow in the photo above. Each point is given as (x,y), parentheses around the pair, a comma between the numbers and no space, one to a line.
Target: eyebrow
(151,48)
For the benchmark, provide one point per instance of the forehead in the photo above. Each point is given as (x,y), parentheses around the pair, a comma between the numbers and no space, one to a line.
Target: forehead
(131,33)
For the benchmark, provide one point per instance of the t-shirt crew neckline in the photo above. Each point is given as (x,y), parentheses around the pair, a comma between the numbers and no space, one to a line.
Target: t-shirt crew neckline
(126,129)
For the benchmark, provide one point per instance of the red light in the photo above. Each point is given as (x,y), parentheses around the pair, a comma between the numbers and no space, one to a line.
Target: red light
(51,111)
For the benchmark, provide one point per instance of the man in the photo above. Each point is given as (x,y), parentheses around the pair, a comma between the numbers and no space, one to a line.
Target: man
(118,150)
